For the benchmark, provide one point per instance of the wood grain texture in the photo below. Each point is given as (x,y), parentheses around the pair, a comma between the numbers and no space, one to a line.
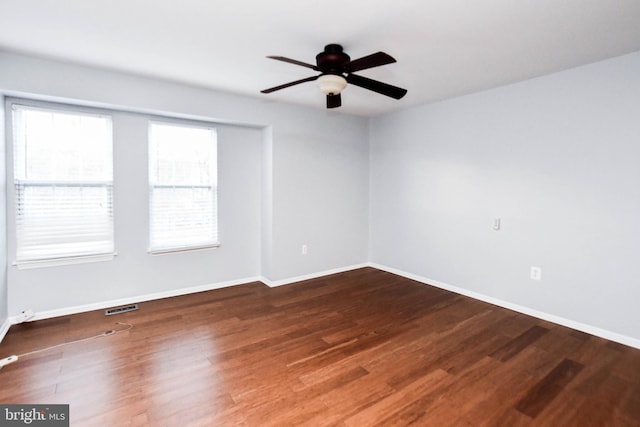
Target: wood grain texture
(361,348)
(549,387)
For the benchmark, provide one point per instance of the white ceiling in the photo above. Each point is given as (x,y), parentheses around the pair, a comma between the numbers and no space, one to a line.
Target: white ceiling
(444,48)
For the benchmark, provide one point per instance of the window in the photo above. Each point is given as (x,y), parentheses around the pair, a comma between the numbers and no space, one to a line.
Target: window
(182,187)
(63,176)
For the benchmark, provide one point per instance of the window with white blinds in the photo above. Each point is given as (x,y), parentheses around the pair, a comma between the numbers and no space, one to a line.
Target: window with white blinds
(63,176)
(182,187)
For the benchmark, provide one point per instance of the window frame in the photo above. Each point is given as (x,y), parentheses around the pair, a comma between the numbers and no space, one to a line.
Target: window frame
(212,186)
(55,259)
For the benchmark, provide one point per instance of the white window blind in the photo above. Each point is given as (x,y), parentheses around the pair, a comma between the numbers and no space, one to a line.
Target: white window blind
(182,186)
(63,176)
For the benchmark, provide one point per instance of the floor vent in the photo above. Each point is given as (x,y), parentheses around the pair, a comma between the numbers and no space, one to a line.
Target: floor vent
(123,309)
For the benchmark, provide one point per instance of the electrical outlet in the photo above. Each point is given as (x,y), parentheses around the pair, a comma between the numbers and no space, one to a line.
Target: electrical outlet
(23,317)
(536,273)
(8,360)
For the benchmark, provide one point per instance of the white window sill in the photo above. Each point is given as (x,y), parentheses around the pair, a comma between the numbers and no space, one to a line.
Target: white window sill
(164,251)
(54,262)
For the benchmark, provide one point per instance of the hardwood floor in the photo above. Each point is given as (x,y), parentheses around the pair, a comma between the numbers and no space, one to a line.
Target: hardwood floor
(362,348)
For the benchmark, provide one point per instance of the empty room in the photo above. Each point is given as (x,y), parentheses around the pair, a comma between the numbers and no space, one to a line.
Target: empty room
(364,213)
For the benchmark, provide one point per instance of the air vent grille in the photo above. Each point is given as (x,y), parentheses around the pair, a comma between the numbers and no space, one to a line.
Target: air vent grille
(123,309)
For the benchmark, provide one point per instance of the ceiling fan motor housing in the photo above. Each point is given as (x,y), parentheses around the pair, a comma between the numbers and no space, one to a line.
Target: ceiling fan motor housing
(332,60)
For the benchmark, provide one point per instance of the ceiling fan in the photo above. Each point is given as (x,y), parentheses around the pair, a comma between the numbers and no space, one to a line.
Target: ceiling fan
(336,70)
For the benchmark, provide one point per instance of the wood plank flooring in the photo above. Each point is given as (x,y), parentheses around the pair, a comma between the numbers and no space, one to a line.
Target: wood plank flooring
(361,348)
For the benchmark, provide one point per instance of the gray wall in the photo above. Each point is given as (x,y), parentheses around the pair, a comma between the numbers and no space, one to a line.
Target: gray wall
(288,176)
(556,158)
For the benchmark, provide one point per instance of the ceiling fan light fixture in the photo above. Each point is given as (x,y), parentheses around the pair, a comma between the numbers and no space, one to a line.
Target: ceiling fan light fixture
(331,84)
(336,71)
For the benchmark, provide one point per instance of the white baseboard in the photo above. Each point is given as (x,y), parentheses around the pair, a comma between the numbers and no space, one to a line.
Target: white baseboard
(136,299)
(172,293)
(4,328)
(589,329)
(275,283)
(593,330)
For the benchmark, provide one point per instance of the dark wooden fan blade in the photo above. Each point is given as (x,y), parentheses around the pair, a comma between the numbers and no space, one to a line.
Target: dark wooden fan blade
(334,101)
(370,61)
(297,82)
(293,61)
(376,86)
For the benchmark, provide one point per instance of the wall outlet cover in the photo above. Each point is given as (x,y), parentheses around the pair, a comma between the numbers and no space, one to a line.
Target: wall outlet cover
(536,273)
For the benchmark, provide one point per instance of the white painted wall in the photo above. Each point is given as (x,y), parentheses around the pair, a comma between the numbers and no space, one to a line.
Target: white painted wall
(288,176)
(557,158)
